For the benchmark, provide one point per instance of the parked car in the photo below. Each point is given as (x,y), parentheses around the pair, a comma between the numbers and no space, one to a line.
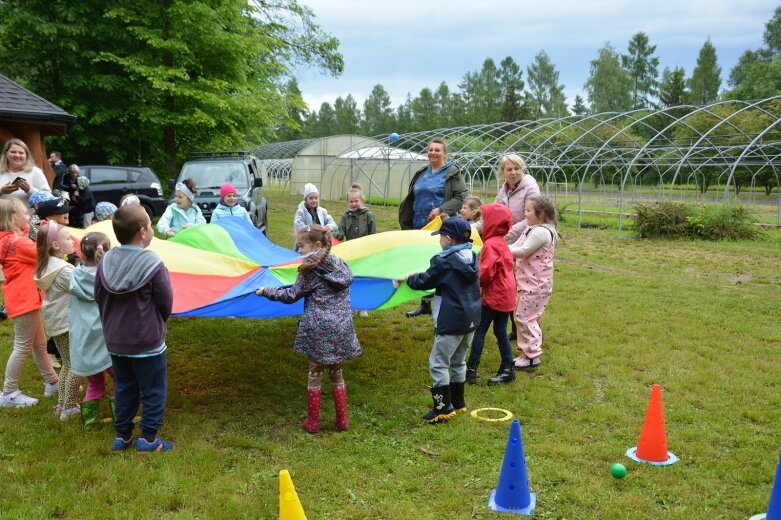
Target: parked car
(111,183)
(210,170)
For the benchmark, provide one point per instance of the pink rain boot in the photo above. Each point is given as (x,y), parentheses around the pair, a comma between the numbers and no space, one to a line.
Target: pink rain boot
(312,422)
(340,404)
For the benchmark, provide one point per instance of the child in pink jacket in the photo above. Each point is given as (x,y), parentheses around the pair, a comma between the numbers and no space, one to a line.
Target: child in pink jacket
(534,252)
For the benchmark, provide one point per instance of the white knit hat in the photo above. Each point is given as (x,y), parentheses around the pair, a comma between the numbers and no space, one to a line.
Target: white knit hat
(309,189)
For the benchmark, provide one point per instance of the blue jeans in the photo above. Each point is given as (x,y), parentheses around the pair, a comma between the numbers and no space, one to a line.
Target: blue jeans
(140,380)
(499,320)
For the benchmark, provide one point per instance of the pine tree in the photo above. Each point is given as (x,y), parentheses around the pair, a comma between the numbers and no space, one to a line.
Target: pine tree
(579,108)
(706,77)
(510,77)
(672,88)
(642,68)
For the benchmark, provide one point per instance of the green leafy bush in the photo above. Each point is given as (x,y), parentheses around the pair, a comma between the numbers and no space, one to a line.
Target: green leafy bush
(679,220)
(661,219)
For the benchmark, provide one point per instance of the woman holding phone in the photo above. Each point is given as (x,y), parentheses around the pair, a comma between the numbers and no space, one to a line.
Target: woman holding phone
(19,176)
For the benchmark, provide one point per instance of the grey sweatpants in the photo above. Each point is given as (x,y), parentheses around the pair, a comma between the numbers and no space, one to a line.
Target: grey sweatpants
(447,363)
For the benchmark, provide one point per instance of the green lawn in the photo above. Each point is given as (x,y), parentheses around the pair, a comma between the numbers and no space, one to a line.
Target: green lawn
(698,318)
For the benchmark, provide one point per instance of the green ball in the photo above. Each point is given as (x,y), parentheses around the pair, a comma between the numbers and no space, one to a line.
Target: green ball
(618,470)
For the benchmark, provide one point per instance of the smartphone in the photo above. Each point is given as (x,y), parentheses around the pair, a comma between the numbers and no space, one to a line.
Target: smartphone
(16,181)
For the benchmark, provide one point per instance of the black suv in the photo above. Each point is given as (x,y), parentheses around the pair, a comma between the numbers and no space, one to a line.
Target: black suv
(110,183)
(210,170)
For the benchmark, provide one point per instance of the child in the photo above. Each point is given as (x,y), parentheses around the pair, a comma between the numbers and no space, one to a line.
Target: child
(103,211)
(454,275)
(71,185)
(89,357)
(35,202)
(58,211)
(182,213)
(470,210)
(52,276)
(229,205)
(133,292)
(130,198)
(309,212)
(23,304)
(534,252)
(497,292)
(325,332)
(358,221)
(86,202)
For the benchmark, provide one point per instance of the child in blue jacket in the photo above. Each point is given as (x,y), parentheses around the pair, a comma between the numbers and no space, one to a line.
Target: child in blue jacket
(453,273)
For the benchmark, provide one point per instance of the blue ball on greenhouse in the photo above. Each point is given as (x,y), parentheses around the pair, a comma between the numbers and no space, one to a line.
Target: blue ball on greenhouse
(393,137)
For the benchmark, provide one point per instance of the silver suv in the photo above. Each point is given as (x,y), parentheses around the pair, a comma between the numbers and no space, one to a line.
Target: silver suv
(210,170)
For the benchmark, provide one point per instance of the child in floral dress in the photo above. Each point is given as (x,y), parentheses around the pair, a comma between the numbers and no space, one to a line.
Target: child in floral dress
(326,333)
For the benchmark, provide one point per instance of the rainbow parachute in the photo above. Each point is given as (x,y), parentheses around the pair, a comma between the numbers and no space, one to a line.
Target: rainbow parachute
(216,268)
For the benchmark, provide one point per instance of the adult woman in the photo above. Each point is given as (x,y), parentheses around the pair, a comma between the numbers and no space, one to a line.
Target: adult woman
(19,177)
(436,190)
(518,187)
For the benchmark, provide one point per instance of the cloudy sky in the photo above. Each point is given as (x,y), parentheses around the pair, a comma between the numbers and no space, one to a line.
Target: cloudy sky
(407,45)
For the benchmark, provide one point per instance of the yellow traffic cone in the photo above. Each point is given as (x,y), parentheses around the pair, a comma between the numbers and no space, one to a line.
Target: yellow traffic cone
(289,505)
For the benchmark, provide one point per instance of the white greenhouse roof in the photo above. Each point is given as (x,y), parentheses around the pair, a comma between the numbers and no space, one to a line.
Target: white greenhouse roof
(382,152)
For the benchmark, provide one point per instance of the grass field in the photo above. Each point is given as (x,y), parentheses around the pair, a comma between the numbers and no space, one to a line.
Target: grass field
(698,318)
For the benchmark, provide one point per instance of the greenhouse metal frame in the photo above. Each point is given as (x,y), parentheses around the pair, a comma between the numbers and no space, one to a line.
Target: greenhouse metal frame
(676,152)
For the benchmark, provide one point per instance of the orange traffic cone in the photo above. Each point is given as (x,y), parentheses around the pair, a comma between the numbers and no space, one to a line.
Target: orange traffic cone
(289,505)
(652,446)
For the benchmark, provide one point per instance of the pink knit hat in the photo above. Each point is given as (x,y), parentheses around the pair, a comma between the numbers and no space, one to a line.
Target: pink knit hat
(225,189)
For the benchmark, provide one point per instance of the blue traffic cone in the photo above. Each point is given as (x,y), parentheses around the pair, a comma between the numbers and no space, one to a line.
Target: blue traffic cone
(774,508)
(512,494)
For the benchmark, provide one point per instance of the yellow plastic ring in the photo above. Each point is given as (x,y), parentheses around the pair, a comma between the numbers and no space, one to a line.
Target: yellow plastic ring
(507,414)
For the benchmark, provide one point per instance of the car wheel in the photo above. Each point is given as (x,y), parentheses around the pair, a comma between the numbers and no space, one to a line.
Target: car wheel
(148,210)
(261,223)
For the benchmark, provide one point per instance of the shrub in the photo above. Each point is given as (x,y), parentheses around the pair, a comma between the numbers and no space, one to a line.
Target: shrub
(679,220)
(661,219)
(724,223)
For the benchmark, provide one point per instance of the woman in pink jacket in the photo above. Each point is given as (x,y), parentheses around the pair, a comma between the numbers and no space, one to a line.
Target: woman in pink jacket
(518,187)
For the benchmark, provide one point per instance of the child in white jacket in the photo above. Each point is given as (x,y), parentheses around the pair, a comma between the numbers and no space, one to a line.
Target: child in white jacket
(53,276)
(310,212)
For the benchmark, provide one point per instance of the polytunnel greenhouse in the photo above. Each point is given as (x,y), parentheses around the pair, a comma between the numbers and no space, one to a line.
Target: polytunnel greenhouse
(726,152)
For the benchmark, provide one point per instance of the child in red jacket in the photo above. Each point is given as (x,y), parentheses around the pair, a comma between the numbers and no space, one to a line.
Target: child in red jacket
(23,299)
(497,293)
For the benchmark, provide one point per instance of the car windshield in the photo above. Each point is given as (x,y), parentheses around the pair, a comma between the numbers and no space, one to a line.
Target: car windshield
(213,174)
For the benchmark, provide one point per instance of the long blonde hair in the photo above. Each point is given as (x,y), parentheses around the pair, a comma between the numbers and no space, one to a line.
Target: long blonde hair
(8,207)
(44,245)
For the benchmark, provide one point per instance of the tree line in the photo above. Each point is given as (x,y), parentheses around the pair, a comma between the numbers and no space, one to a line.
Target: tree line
(151,81)
(617,82)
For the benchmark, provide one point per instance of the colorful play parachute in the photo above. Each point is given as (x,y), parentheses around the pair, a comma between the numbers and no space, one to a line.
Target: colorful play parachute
(216,268)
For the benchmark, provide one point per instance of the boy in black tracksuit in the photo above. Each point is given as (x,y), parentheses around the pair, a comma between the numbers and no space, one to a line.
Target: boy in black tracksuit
(454,274)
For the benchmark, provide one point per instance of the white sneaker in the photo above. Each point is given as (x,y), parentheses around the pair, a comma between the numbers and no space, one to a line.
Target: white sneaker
(51,390)
(363,314)
(525,363)
(70,413)
(55,361)
(16,400)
